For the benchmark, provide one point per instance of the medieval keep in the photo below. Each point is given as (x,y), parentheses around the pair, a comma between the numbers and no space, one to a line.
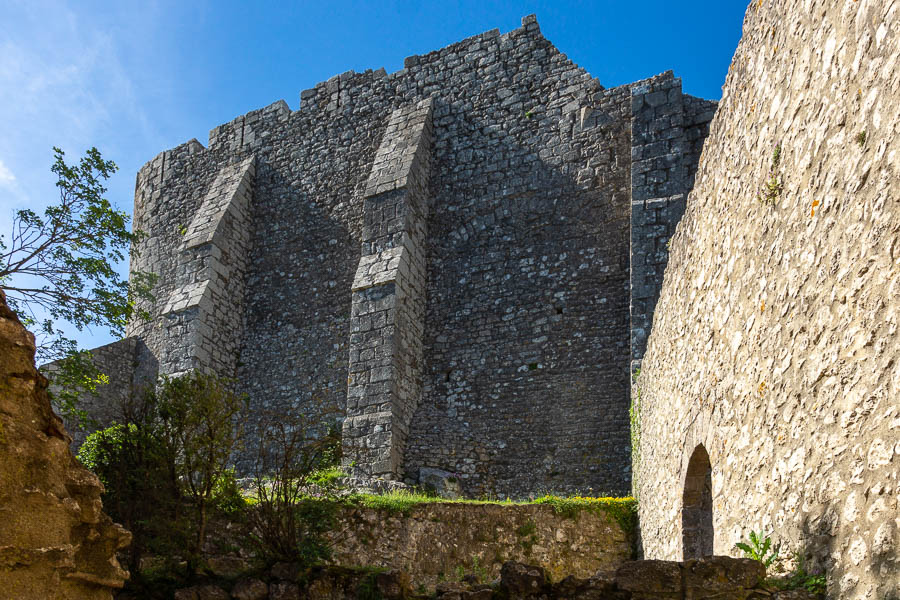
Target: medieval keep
(463,256)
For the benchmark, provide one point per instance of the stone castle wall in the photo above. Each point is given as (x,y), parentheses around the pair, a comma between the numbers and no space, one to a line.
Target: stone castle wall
(444,253)
(769,388)
(130,366)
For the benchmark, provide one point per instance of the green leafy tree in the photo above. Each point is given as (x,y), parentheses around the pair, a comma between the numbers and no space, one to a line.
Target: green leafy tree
(166,469)
(141,491)
(200,422)
(61,266)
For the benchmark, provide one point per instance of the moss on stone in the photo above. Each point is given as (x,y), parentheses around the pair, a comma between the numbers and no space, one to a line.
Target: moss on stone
(621,510)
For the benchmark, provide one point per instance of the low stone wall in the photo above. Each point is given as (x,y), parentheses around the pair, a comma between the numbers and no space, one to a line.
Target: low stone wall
(437,544)
(445,541)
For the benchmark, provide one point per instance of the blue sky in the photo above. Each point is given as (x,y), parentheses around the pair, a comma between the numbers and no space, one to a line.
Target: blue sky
(136,78)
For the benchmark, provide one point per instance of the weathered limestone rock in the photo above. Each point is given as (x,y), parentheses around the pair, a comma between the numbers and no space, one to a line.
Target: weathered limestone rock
(202,592)
(337,583)
(284,590)
(250,589)
(444,483)
(774,349)
(55,541)
(721,577)
(523,581)
(599,587)
(651,579)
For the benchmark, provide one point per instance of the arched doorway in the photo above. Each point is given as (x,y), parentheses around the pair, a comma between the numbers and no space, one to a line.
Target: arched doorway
(696,511)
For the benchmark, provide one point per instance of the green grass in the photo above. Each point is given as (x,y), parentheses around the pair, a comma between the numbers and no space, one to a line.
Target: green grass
(402,501)
(622,510)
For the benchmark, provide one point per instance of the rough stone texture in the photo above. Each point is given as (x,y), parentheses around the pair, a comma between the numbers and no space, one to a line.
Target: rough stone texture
(651,578)
(483,327)
(521,580)
(202,316)
(387,316)
(130,366)
(250,589)
(55,541)
(335,583)
(713,578)
(435,541)
(774,342)
(284,590)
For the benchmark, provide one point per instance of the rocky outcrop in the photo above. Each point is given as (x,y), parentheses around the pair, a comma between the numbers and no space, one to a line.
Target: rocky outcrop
(710,578)
(55,541)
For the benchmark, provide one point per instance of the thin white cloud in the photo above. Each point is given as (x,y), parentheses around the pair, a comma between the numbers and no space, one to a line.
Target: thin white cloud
(6,176)
(71,75)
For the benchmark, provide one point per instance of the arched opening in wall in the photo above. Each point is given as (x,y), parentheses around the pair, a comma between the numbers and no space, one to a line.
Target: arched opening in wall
(696,511)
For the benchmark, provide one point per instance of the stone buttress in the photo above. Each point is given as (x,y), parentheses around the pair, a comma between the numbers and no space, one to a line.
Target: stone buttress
(290,255)
(202,315)
(387,317)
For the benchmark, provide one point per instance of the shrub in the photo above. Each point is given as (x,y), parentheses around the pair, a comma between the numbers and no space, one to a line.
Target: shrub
(295,471)
(198,419)
(166,469)
(141,489)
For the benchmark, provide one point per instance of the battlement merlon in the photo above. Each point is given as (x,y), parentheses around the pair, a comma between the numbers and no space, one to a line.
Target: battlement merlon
(327,95)
(243,132)
(154,171)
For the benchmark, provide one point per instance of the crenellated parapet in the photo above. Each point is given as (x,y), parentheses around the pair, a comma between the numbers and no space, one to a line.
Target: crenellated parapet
(248,132)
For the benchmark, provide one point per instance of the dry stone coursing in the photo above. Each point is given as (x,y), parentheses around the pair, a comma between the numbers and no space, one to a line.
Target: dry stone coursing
(434,542)
(774,343)
(484,330)
(55,541)
(710,578)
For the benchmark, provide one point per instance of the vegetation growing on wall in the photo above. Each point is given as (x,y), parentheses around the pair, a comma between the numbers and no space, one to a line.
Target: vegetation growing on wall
(772,186)
(634,413)
(165,469)
(762,548)
(621,510)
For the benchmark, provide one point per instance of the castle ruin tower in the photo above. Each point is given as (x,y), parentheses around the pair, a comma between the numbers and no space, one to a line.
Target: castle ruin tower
(461,257)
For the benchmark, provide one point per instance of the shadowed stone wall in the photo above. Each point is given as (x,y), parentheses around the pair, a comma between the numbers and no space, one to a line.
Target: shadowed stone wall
(443,253)
(130,367)
(774,341)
